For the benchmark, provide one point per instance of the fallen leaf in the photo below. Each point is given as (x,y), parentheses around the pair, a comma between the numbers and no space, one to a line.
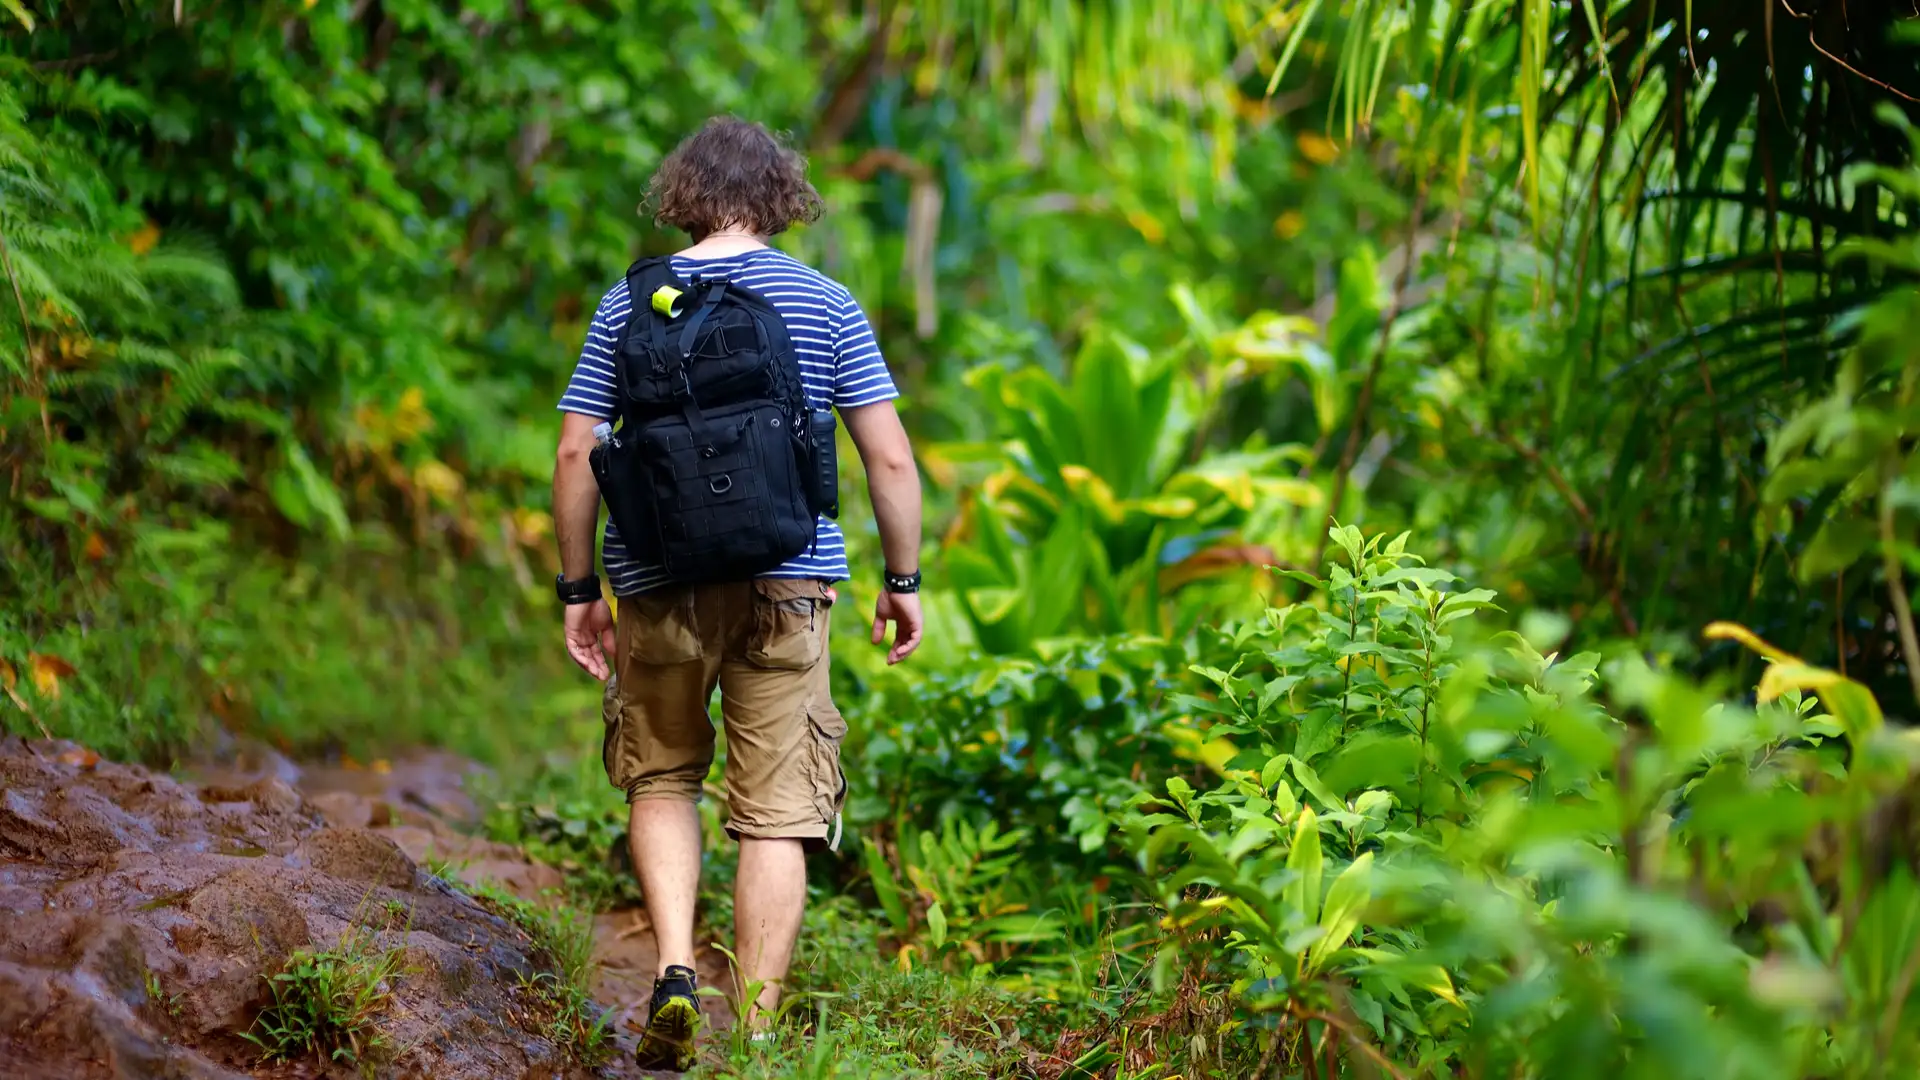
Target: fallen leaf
(1214,562)
(143,241)
(439,481)
(1317,148)
(47,672)
(532,527)
(1147,226)
(410,417)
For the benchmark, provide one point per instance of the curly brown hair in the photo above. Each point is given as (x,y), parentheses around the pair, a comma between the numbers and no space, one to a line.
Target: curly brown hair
(732,172)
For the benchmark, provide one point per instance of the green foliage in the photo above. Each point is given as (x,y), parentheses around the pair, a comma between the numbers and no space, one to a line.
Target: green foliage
(169,1004)
(954,883)
(1104,500)
(561,815)
(159,493)
(328,1002)
(1434,846)
(1607,303)
(1852,458)
(852,1011)
(560,991)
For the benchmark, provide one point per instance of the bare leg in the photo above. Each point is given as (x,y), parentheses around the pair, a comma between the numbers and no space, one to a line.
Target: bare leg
(769,894)
(665,838)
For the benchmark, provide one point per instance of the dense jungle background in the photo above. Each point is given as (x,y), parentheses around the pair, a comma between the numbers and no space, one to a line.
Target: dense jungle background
(1424,497)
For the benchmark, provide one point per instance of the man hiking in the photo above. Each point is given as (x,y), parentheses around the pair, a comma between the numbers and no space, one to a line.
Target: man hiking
(722,367)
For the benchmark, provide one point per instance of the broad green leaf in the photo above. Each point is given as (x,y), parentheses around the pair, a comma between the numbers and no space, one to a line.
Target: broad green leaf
(1181,791)
(1305,859)
(1275,690)
(1274,771)
(1348,537)
(1310,780)
(1840,542)
(1420,575)
(1255,833)
(937,926)
(1470,600)
(1850,703)
(1318,732)
(1392,965)
(883,885)
(1345,900)
(303,494)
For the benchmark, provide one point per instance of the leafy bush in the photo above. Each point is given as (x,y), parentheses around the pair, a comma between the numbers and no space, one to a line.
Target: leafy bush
(563,815)
(1105,502)
(1423,847)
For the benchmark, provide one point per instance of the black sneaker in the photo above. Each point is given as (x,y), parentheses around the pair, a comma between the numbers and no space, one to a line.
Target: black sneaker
(673,1021)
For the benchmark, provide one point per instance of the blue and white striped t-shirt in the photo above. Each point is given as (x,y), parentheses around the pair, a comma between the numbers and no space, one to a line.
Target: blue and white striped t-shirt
(839,361)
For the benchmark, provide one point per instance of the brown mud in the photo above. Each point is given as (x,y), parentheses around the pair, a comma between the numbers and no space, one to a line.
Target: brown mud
(141,916)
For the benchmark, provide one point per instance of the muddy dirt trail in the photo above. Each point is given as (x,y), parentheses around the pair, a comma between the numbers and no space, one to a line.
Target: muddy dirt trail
(141,915)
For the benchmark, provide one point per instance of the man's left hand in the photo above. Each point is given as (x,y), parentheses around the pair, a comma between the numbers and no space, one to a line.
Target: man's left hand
(590,638)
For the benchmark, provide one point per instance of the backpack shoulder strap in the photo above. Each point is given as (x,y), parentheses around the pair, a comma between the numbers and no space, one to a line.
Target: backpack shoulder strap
(644,278)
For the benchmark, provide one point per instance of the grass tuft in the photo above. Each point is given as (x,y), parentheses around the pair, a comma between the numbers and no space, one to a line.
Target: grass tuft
(328,1002)
(560,998)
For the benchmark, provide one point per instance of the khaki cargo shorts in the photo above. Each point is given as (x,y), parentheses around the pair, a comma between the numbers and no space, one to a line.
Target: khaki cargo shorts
(764,644)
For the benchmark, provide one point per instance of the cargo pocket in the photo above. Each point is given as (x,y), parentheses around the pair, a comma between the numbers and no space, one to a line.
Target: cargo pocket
(827,728)
(789,623)
(612,754)
(664,629)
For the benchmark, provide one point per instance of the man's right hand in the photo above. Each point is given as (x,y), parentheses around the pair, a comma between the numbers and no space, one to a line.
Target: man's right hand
(590,638)
(903,611)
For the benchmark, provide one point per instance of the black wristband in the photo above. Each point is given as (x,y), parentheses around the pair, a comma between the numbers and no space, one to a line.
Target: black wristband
(902,583)
(582,591)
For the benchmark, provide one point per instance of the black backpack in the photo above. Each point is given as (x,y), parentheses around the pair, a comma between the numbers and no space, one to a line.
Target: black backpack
(719,467)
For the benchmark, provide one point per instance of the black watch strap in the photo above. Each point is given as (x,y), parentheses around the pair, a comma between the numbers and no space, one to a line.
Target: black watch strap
(902,583)
(581,591)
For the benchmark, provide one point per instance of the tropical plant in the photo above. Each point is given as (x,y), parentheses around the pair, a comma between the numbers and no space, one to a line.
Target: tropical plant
(1534,887)
(1108,499)
(1847,467)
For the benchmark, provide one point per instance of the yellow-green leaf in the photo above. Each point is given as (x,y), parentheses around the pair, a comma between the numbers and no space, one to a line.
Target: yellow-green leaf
(1308,864)
(937,925)
(1732,631)
(1345,900)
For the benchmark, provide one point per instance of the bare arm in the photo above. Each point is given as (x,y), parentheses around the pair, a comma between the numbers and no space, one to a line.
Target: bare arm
(893,483)
(576,499)
(576,509)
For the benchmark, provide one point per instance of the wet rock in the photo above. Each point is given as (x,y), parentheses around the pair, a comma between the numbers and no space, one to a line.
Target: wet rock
(111,954)
(360,855)
(344,809)
(242,928)
(269,793)
(26,827)
(141,919)
(94,826)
